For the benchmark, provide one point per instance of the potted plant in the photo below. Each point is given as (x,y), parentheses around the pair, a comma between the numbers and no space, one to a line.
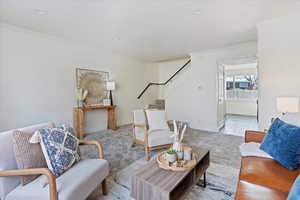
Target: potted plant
(171,155)
(81,96)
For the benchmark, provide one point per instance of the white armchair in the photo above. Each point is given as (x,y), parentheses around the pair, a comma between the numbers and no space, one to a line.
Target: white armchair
(153,131)
(75,184)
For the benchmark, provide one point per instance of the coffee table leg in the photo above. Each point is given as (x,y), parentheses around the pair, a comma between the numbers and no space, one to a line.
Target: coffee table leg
(204,180)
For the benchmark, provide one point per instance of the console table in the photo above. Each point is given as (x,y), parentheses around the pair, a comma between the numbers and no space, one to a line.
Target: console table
(80,122)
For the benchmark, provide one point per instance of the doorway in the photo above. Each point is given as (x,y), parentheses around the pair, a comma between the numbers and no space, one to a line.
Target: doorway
(238,96)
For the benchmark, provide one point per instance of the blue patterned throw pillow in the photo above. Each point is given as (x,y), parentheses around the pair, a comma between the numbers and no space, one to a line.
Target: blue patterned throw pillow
(60,149)
(294,193)
(282,143)
(70,129)
(66,127)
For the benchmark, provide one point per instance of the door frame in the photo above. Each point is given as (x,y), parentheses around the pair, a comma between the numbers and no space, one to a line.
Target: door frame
(241,59)
(220,123)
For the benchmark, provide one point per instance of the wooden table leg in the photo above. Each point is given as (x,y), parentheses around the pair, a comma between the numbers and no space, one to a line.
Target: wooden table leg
(111,119)
(202,183)
(204,180)
(79,122)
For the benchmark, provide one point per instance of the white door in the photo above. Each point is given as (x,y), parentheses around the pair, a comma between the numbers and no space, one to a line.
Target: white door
(221,96)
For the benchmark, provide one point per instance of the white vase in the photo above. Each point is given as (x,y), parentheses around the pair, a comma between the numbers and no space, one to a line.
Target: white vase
(179,155)
(171,157)
(187,154)
(177,146)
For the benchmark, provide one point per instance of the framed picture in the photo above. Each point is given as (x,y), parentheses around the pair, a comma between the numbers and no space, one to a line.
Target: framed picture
(95,82)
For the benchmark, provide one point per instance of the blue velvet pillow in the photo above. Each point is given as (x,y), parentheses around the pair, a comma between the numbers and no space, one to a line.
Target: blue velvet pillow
(283,143)
(295,191)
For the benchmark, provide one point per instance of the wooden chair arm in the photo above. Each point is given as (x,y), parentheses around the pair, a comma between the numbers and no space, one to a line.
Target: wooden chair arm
(145,131)
(254,136)
(35,171)
(98,144)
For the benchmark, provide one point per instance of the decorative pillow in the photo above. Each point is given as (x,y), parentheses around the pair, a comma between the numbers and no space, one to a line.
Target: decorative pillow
(282,143)
(292,118)
(60,149)
(36,137)
(66,127)
(70,129)
(252,149)
(294,193)
(157,120)
(27,155)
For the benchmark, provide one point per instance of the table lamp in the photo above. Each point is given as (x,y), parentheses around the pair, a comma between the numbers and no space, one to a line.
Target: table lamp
(287,105)
(110,86)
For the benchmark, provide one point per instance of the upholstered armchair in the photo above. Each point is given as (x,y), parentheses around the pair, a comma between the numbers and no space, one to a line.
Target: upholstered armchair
(75,184)
(151,130)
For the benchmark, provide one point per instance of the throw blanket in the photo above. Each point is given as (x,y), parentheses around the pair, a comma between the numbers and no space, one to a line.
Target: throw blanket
(252,149)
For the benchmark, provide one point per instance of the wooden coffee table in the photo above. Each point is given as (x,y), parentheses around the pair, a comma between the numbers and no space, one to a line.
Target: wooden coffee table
(154,183)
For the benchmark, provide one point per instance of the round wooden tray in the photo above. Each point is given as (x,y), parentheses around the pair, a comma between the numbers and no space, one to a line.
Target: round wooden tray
(183,165)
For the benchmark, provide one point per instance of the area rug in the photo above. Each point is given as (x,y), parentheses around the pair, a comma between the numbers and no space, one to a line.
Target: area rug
(222,173)
(221,183)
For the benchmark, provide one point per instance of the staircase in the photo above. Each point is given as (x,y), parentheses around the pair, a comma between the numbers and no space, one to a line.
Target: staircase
(166,82)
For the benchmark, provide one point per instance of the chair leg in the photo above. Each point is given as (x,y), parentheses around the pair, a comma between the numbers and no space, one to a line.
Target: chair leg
(133,144)
(147,153)
(104,187)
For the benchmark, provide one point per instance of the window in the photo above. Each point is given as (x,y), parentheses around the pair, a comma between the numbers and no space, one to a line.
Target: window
(229,82)
(241,86)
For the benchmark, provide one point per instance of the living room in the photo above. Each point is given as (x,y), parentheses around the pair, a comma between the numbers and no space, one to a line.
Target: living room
(81,69)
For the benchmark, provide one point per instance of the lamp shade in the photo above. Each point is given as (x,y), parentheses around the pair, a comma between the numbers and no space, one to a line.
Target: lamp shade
(288,104)
(110,85)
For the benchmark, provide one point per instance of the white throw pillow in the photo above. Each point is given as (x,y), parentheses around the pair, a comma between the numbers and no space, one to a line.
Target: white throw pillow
(252,149)
(35,139)
(291,118)
(157,120)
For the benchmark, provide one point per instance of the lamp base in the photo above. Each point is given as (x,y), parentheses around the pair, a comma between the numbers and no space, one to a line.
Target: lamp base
(111,98)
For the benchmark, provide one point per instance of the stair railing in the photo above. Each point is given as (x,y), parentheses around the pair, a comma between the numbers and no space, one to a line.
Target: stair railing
(166,82)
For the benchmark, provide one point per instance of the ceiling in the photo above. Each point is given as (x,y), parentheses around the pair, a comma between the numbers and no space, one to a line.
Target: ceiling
(150,30)
(235,62)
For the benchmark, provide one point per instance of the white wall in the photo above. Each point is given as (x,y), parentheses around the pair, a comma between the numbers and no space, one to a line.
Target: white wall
(241,107)
(192,96)
(166,70)
(37,79)
(279,63)
(237,72)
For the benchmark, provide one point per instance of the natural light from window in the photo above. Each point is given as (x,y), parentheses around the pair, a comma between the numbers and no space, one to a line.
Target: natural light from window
(239,87)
